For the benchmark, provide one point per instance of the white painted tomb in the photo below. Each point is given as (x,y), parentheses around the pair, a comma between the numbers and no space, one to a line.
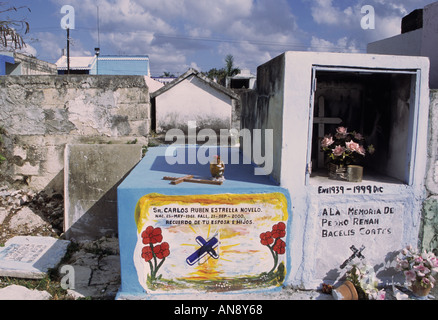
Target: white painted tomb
(304,95)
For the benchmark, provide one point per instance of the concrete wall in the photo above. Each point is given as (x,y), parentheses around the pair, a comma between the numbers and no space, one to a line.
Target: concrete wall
(263,109)
(421,42)
(319,242)
(41,114)
(429,235)
(92,175)
(193,100)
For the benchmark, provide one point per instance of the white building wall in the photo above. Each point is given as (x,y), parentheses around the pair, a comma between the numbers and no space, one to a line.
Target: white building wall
(421,42)
(193,100)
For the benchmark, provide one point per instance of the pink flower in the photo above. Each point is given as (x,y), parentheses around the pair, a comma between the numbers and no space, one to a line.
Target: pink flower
(403,264)
(421,270)
(361,150)
(341,132)
(418,259)
(378,295)
(410,275)
(327,141)
(352,146)
(358,136)
(338,151)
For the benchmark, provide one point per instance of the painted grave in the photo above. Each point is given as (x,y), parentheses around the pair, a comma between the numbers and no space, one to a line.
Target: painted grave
(307,99)
(180,232)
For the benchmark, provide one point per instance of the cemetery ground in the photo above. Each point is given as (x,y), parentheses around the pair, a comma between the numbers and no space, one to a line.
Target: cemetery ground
(96,263)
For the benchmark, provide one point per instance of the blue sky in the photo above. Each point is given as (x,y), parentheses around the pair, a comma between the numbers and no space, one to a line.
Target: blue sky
(179,34)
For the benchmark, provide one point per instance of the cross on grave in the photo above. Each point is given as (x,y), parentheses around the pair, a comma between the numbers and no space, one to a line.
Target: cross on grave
(356,253)
(189,178)
(207,247)
(322,121)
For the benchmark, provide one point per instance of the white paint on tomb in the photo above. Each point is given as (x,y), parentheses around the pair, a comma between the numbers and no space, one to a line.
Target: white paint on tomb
(393,179)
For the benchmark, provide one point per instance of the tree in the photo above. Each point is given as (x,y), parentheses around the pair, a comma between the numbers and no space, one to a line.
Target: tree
(230,71)
(167,75)
(221,74)
(11,30)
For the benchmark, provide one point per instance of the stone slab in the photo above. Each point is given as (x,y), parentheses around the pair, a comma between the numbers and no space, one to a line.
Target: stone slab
(31,257)
(92,174)
(15,292)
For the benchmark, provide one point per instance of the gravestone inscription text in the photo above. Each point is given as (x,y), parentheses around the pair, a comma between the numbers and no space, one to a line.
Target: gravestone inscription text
(352,221)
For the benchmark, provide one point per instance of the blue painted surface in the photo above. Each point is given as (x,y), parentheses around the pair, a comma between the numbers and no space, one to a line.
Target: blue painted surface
(3,60)
(147,177)
(121,65)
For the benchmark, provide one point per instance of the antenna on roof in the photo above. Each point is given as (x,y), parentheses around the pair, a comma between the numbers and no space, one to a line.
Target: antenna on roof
(98,28)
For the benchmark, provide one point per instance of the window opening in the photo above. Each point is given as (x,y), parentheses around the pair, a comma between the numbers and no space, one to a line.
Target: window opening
(379,104)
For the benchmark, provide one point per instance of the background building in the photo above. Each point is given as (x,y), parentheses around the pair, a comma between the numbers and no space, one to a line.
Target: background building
(419,37)
(106,65)
(17,64)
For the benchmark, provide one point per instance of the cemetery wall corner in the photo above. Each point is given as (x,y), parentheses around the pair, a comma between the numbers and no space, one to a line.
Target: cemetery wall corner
(40,115)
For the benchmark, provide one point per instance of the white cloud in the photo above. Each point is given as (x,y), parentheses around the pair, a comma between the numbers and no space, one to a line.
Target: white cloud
(341,45)
(324,12)
(176,33)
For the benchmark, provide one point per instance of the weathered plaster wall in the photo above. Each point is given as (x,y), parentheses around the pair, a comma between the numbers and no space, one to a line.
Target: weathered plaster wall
(263,108)
(41,114)
(429,236)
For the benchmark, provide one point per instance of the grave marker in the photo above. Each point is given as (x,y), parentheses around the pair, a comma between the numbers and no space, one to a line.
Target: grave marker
(190,237)
(31,257)
(386,99)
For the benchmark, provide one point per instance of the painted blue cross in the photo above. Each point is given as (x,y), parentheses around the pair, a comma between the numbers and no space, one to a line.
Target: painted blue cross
(207,247)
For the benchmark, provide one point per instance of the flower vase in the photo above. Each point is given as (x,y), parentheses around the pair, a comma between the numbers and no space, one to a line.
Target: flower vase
(217,168)
(337,172)
(419,291)
(346,291)
(354,173)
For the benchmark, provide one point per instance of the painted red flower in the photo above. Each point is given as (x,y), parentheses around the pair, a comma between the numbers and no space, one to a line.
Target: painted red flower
(162,251)
(279,230)
(279,246)
(146,253)
(266,238)
(152,235)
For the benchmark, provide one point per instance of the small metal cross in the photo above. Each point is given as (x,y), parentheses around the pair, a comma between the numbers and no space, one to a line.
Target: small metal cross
(356,253)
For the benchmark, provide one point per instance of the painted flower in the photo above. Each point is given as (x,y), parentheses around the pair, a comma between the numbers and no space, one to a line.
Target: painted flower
(279,230)
(266,238)
(146,253)
(152,235)
(338,151)
(327,141)
(279,246)
(162,251)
